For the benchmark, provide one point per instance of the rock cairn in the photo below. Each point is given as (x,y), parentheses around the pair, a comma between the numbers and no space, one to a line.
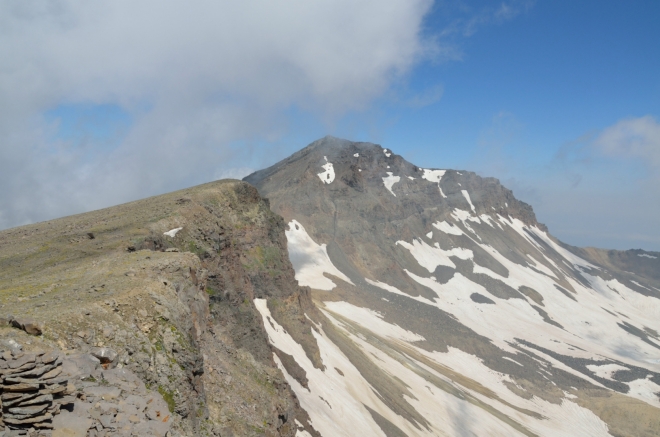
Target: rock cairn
(32,389)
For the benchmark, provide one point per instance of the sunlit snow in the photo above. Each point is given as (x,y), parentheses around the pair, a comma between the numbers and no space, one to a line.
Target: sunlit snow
(448,228)
(327,176)
(310,260)
(605,370)
(431,257)
(434,176)
(373,321)
(467,197)
(390,180)
(172,233)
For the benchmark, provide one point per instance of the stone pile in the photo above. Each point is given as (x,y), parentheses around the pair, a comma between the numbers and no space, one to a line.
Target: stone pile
(32,389)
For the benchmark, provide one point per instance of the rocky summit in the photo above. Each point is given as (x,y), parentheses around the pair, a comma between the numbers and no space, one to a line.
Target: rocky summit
(341,292)
(443,308)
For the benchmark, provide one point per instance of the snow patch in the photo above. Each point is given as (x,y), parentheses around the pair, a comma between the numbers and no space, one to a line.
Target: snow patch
(411,178)
(512,360)
(467,197)
(388,154)
(335,403)
(429,235)
(448,228)
(644,255)
(172,233)
(605,370)
(434,176)
(639,285)
(431,257)
(310,260)
(645,390)
(390,180)
(355,155)
(327,176)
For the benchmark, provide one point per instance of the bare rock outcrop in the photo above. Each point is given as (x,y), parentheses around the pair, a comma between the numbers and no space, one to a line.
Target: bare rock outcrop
(55,394)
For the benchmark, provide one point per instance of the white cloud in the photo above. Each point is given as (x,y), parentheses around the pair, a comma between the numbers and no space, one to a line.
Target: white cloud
(632,138)
(195,77)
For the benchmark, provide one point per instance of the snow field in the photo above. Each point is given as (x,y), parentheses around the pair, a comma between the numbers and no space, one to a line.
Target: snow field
(587,325)
(431,257)
(310,260)
(460,417)
(335,403)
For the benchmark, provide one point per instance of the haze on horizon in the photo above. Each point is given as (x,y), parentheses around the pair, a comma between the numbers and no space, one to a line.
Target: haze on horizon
(107,102)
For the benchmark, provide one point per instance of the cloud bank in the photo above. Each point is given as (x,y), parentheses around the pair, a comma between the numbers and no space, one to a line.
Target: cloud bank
(632,138)
(192,78)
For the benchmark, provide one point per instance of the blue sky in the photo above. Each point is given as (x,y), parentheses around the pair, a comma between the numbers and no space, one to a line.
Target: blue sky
(106,103)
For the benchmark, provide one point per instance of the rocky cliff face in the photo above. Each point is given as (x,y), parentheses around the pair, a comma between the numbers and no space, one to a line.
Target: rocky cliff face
(168,285)
(445,308)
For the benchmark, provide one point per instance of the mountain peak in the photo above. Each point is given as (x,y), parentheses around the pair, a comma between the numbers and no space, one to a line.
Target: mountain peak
(440,293)
(346,168)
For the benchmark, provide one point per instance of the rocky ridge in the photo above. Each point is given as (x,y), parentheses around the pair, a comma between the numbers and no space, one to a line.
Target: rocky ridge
(168,284)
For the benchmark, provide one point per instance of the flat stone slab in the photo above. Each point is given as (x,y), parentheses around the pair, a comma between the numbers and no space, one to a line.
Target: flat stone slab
(68,424)
(29,420)
(105,393)
(24,386)
(29,410)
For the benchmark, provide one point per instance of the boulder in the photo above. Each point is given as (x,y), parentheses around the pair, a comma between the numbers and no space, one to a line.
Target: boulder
(104,354)
(30,326)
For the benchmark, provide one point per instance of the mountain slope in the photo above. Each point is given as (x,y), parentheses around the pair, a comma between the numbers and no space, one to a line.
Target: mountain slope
(447,309)
(168,284)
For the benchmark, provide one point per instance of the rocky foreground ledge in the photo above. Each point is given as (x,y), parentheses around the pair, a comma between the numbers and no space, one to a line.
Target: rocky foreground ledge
(58,394)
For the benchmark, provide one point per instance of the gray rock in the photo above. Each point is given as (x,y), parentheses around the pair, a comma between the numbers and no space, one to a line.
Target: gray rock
(105,393)
(17,398)
(21,387)
(80,365)
(28,420)
(30,326)
(152,428)
(107,421)
(11,344)
(50,357)
(104,354)
(37,400)
(157,408)
(68,424)
(25,359)
(108,331)
(29,410)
